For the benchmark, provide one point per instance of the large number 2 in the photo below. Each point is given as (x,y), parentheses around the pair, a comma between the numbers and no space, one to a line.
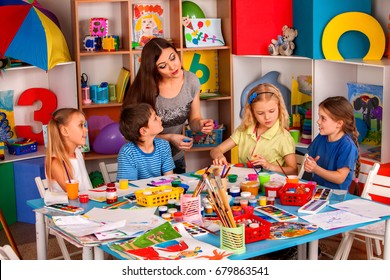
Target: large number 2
(49,104)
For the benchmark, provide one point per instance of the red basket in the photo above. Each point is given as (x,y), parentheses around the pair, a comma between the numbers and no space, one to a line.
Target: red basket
(254,234)
(296,194)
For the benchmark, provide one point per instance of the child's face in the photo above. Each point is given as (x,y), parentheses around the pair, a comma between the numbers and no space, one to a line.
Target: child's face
(169,64)
(154,124)
(266,112)
(326,125)
(75,130)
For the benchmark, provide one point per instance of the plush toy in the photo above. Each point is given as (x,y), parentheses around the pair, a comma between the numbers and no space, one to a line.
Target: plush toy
(284,45)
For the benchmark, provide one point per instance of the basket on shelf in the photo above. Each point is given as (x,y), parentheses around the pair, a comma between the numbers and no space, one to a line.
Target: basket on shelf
(157,196)
(22,148)
(296,194)
(254,234)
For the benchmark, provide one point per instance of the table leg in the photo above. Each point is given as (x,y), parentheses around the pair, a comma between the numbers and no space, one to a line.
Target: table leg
(386,246)
(302,251)
(87,253)
(98,253)
(40,234)
(313,250)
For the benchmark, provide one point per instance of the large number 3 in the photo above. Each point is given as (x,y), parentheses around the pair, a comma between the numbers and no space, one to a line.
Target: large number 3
(49,104)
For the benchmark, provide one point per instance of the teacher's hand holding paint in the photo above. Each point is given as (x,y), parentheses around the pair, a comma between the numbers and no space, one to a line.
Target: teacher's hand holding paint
(173,93)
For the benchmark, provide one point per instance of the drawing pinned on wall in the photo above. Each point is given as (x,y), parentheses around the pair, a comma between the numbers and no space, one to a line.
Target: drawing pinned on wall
(147,22)
(367,101)
(7,119)
(202,32)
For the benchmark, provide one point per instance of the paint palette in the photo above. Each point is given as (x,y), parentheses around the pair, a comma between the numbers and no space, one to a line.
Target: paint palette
(70,209)
(322,194)
(313,206)
(194,230)
(276,213)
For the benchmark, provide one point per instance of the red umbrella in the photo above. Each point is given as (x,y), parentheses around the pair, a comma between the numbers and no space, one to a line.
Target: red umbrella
(32,34)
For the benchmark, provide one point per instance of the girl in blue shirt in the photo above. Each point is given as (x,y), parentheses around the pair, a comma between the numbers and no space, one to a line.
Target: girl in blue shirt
(334,152)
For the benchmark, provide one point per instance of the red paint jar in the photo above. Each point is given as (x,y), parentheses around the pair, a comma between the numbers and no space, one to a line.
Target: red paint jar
(83,198)
(111,197)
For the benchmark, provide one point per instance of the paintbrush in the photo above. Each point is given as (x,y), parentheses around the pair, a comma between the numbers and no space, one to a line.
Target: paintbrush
(284,172)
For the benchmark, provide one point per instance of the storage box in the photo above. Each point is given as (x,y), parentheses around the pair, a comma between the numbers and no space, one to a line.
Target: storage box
(206,140)
(254,234)
(296,194)
(159,195)
(21,149)
(203,32)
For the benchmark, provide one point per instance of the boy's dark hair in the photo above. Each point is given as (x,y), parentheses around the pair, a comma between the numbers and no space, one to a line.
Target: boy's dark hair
(133,117)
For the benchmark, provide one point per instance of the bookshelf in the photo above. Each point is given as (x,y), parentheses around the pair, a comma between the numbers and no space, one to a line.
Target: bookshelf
(103,66)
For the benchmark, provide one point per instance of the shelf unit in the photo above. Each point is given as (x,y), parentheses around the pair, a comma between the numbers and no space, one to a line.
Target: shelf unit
(104,66)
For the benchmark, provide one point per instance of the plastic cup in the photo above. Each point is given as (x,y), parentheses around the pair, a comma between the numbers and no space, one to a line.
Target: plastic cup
(295,134)
(72,189)
(123,184)
(263,178)
(293,179)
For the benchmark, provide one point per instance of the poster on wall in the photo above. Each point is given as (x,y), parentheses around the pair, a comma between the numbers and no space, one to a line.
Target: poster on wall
(367,101)
(7,120)
(147,22)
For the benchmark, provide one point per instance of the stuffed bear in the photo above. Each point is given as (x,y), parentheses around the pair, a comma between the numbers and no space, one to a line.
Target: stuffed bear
(284,45)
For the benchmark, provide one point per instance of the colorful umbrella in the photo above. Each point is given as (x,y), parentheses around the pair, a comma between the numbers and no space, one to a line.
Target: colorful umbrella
(30,33)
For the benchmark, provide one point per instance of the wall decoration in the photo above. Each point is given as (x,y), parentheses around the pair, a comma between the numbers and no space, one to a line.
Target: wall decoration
(203,32)
(147,22)
(7,121)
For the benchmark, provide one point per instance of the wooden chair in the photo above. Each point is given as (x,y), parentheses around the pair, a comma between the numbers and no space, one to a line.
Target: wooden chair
(9,235)
(7,253)
(109,171)
(377,187)
(42,187)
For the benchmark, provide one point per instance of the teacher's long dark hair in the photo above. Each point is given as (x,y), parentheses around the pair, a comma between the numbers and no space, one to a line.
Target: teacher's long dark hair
(144,89)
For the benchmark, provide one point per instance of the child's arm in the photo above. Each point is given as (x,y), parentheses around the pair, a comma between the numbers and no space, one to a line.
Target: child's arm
(58,173)
(196,122)
(177,140)
(290,166)
(168,173)
(336,177)
(217,152)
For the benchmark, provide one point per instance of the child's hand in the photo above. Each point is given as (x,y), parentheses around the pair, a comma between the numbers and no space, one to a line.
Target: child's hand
(311,164)
(207,125)
(182,142)
(221,160)
(259,160)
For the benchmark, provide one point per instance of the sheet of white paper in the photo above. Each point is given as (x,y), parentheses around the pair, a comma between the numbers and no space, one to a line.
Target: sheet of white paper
(163,180)
(336,219)
(81,226)
(51,198)
(364,207)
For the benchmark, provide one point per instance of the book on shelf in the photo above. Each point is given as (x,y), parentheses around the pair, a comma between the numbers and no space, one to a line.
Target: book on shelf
(121,84)
(147,22)
(204,64)
(367,101)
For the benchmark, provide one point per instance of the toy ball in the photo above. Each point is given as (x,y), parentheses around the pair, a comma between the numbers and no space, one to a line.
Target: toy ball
(109,140)
(362,129)
(192,10)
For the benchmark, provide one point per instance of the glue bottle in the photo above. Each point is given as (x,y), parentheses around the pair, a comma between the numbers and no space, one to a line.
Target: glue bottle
(111,197)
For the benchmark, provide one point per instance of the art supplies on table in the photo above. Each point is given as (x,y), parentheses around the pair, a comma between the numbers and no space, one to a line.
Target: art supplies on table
(276,213)
(65,208)
(284,230)
(313,206)
(322,194)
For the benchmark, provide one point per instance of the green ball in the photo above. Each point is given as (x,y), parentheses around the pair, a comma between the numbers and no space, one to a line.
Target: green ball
(191,10)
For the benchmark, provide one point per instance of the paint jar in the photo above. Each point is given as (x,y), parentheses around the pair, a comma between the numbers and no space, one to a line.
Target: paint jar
(166,216)
(234,191)
(178,205)
(171,211)
(172,203)
(252,177)
(252,202)
(264,177)
(162,209)
(236,201)
(251,187)
(270,200)
(254,225)
(232,178)
(178,216)
(245,195)
(202,211)
(111,196)
(237,210)
(208,209)
(249,210)
(146,193)
(83,198)
(262,201)
(243,203)
(272,188)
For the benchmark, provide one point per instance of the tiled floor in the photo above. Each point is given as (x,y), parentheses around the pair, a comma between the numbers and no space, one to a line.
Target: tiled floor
(24,235)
